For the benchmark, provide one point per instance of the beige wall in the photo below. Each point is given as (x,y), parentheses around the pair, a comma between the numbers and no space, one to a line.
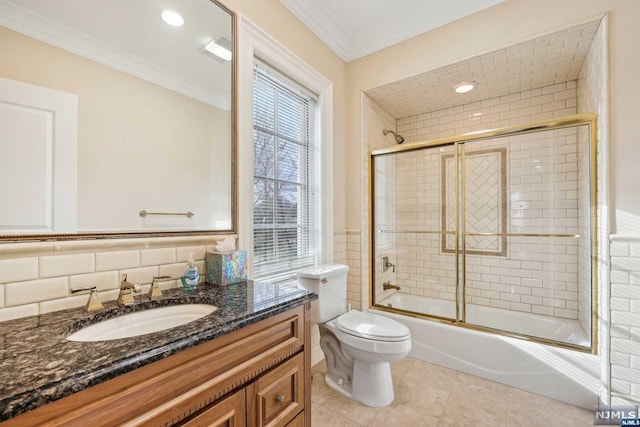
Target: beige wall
(503,25)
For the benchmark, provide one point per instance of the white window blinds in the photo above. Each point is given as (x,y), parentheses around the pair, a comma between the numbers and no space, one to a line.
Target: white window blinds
(284,215)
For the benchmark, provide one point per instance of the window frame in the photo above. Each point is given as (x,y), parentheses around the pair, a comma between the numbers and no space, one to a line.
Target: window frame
(307,221)
(256,43)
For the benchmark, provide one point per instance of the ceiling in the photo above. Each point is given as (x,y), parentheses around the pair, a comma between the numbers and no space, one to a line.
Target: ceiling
(356,28)
(542,61)
(131,37)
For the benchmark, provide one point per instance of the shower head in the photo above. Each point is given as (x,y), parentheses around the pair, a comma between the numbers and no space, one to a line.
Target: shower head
(399,138)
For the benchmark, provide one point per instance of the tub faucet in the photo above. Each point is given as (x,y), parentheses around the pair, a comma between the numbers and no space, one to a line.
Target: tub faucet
(125,297)
(387,285)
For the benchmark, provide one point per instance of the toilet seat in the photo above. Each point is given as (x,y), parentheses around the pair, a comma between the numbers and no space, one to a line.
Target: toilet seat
(372,327)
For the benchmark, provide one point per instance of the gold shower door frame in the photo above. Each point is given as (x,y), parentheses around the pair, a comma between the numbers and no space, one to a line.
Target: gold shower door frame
(460,234)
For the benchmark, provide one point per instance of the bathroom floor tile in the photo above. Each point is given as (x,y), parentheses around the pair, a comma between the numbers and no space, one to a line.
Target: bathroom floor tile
(431,396)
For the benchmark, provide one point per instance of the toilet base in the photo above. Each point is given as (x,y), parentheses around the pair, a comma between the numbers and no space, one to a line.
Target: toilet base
(344,388)
(372,383)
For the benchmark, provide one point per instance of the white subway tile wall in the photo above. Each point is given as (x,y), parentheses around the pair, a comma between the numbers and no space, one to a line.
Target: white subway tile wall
(37,278)
(18,269)
(65,265)
(354,278)
(625,320)
(157,256)
(537,275)
(544,103)
(591,98)
(546,60)
(375,120)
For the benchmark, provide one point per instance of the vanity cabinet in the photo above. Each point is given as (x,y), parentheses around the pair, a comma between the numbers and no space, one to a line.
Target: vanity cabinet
(258,375)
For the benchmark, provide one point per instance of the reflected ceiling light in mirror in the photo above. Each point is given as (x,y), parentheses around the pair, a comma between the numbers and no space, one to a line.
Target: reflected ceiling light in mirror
(172,18)
(220,47)
(464,87)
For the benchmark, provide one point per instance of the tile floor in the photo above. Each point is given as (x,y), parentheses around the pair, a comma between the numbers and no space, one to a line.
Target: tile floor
(432,396)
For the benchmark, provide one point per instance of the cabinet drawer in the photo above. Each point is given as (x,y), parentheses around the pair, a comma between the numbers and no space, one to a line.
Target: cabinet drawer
(278,396)
(230,412)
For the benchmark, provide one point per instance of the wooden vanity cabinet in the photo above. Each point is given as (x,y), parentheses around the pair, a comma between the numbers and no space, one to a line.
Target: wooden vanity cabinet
(256,376)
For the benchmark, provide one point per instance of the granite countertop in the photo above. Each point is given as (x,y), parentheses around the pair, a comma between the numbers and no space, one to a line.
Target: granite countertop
(38,365)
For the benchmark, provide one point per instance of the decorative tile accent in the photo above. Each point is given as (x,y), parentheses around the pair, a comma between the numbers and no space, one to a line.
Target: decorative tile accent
(485,200)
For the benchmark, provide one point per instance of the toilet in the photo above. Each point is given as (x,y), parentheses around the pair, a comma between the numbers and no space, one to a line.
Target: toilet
(357,346)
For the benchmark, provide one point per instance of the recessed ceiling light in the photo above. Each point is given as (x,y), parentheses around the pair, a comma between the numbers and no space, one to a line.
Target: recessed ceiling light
(464,87)
(172,18)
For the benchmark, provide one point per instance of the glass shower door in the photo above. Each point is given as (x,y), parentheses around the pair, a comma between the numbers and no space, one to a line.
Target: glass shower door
(412,272)
(526,234)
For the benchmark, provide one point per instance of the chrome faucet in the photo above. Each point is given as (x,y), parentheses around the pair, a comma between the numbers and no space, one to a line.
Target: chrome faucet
(125,297)
(387,285)
(93,303)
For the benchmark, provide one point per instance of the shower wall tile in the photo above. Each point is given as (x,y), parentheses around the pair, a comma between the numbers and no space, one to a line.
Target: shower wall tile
(532,274)
(625,315)
(375,119)
(544,103)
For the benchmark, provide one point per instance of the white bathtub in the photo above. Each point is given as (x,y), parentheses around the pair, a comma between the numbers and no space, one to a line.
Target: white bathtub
(566,375)
(536,325)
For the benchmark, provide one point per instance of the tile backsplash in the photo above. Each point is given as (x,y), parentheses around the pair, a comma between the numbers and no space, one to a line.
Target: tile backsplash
(39,277)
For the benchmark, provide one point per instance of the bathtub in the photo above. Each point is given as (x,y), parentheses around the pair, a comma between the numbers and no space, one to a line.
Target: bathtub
(562,374)
(536,325)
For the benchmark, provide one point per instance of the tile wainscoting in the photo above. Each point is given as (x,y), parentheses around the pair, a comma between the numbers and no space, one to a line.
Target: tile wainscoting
(37,278)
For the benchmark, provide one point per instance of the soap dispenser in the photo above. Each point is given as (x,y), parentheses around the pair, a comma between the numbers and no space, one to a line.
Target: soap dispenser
(191,276)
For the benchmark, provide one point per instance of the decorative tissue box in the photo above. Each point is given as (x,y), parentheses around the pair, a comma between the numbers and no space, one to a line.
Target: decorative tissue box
(225,268)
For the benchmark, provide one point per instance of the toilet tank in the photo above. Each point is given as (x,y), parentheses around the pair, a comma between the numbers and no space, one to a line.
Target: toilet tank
(329,282)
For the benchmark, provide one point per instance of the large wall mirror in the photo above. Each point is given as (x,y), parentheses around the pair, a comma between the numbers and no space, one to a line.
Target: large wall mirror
(114,122)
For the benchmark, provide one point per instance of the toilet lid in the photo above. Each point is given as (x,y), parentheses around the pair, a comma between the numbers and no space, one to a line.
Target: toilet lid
(372,326)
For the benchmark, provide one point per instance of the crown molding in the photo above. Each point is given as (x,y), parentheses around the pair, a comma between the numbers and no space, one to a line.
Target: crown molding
(323,25)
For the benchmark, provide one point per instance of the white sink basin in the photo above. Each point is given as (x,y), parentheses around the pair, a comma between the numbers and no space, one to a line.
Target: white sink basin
(142,322)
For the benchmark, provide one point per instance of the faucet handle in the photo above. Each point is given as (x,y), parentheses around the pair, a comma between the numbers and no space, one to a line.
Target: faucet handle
(135,287)
(93,303)
(154,290)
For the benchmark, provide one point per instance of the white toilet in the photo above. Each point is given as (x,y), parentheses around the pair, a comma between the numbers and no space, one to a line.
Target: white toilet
(357,346)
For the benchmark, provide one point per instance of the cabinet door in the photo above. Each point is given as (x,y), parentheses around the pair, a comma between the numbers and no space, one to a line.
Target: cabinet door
(278,396)
(230,412)
(297,421)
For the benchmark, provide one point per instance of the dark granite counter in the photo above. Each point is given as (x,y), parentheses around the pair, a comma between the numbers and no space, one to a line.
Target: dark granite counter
(38,365)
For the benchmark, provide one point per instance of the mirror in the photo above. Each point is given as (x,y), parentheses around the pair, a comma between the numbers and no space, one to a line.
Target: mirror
(113,122)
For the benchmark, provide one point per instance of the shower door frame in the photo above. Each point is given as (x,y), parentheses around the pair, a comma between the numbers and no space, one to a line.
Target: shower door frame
(589,119)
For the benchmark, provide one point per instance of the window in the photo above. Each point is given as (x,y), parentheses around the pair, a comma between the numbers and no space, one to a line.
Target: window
(285,210)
